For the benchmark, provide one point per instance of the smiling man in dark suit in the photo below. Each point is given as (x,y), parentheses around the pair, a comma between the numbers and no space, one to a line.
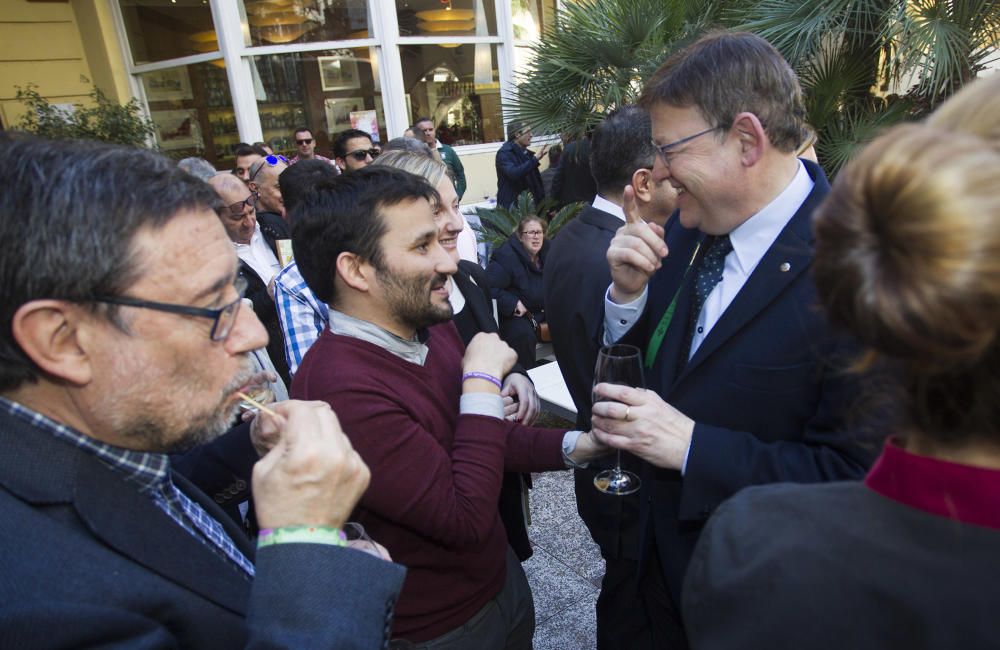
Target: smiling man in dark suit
(576,278)
(119,348)
(743,370)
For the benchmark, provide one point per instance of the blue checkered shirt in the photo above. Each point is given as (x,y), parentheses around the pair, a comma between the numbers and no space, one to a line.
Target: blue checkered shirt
(151,474)
(302,315)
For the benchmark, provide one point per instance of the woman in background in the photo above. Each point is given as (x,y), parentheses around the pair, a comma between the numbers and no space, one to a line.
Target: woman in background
(515,276)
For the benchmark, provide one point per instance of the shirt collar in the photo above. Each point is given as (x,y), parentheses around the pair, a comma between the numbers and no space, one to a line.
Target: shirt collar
(959,492)
(605,205)
(752,238)
(150,471)
(414,351)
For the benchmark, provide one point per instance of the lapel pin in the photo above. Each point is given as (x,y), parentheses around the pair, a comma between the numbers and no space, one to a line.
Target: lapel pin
(785,267)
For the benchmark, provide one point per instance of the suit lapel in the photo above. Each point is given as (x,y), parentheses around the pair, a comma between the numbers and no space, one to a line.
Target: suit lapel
(40,469)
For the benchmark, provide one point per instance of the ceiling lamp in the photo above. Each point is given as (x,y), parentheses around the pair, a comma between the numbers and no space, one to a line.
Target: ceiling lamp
(278,21)
(204,41)
(447,22)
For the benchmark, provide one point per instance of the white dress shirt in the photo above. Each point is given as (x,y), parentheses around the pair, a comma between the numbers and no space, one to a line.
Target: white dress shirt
(605,205)
(259,256)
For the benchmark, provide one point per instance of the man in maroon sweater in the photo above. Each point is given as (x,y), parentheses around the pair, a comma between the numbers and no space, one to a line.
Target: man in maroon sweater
(425,414)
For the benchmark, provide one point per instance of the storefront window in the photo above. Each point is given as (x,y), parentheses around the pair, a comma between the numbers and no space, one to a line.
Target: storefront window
(193,112)
(443,18)
(458,87)
(277,22)
(326,91)
(160,29)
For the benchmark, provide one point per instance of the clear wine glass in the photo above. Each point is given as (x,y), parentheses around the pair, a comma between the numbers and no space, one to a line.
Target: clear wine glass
(618,364)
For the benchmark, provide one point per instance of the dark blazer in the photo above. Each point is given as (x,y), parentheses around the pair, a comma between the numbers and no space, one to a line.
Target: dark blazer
(476,317)
(86,560)
(573,180)
(513,277)
(272,228)
(766,388)
(839,566)
(576,277)
(517,171)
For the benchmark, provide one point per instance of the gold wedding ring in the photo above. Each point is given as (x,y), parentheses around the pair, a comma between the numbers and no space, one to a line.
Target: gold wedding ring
(627,409)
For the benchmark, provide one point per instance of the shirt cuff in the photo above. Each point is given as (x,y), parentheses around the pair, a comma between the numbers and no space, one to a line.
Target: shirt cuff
(569,446)
(619,319)
(488,404)
(301,535)
(687,453)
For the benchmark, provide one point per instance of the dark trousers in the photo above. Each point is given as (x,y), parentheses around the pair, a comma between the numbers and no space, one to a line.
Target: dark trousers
(622,621)
(667,629)
(507,622)
(519,334)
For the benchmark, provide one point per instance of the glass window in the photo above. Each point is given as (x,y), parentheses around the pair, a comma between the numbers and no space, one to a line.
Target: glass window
(530,17)
(443,18)
(193,112)
(326,91)
(276,22)
(160,29)
(458,87)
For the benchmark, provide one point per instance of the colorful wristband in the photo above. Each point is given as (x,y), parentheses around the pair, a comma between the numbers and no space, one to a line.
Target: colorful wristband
(482,375)
(301,535)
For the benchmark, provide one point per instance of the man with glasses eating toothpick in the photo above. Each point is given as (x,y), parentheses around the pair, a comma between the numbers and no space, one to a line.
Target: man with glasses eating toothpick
(254,235)
(353,149)
(745,378)
(119,348)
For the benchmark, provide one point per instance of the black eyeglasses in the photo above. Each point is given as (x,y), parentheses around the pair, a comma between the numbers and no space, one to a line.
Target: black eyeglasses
(271,162)
(236,209)
(224,317)
(304,141)
(361,154)
(664,148)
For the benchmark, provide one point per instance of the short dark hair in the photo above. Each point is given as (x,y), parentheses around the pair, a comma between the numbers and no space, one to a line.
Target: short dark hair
(340,142)
(408,144)
(301,178)
(302,129)
(248,150)
(422,118)
(514,127)
(621,144)
(344,214)
(70,211)
(746,73)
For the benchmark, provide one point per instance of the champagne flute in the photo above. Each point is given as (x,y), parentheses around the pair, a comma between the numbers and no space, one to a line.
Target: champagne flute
(618,364)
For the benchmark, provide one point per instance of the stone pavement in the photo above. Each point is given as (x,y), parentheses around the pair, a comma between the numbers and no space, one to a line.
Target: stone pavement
(565,571)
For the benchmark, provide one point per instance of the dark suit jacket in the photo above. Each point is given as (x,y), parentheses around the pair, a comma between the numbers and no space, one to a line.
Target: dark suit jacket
(86,561)
(840,566)
(476,317)
(766,388)
(517,171)
(573,180)
(576,278)
(272,228)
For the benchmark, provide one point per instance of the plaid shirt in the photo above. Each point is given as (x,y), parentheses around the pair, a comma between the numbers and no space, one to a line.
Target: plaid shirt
(150,473)
(301,314)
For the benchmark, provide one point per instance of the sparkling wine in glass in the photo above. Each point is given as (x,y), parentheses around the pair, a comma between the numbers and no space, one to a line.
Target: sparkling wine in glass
(618,364)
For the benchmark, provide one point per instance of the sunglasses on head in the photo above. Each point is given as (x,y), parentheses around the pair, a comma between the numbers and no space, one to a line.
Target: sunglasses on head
(304,141)
(271,162)
(361,154)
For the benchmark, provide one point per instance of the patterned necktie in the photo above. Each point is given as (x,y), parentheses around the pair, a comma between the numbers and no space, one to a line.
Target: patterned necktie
(709,274)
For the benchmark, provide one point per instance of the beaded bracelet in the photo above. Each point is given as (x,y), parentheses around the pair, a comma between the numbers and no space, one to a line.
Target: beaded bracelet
(302,535)
(482,375)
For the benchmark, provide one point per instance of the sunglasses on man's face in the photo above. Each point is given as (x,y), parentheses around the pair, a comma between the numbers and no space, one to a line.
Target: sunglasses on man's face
(304,141)
(361,154)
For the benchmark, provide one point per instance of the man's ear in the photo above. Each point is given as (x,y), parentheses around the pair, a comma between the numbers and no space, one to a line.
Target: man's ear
(254,187)
(55,335)
(753,140)
(354,272)
(340,164)
(642,184)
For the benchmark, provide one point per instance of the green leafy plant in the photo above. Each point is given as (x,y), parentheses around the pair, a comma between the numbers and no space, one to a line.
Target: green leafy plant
(500,223)
(105,120)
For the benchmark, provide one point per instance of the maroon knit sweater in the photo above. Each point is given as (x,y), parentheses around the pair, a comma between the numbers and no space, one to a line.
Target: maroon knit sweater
(436,475)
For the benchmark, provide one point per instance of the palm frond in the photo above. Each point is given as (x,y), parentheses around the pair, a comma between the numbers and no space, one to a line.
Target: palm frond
(561,218)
